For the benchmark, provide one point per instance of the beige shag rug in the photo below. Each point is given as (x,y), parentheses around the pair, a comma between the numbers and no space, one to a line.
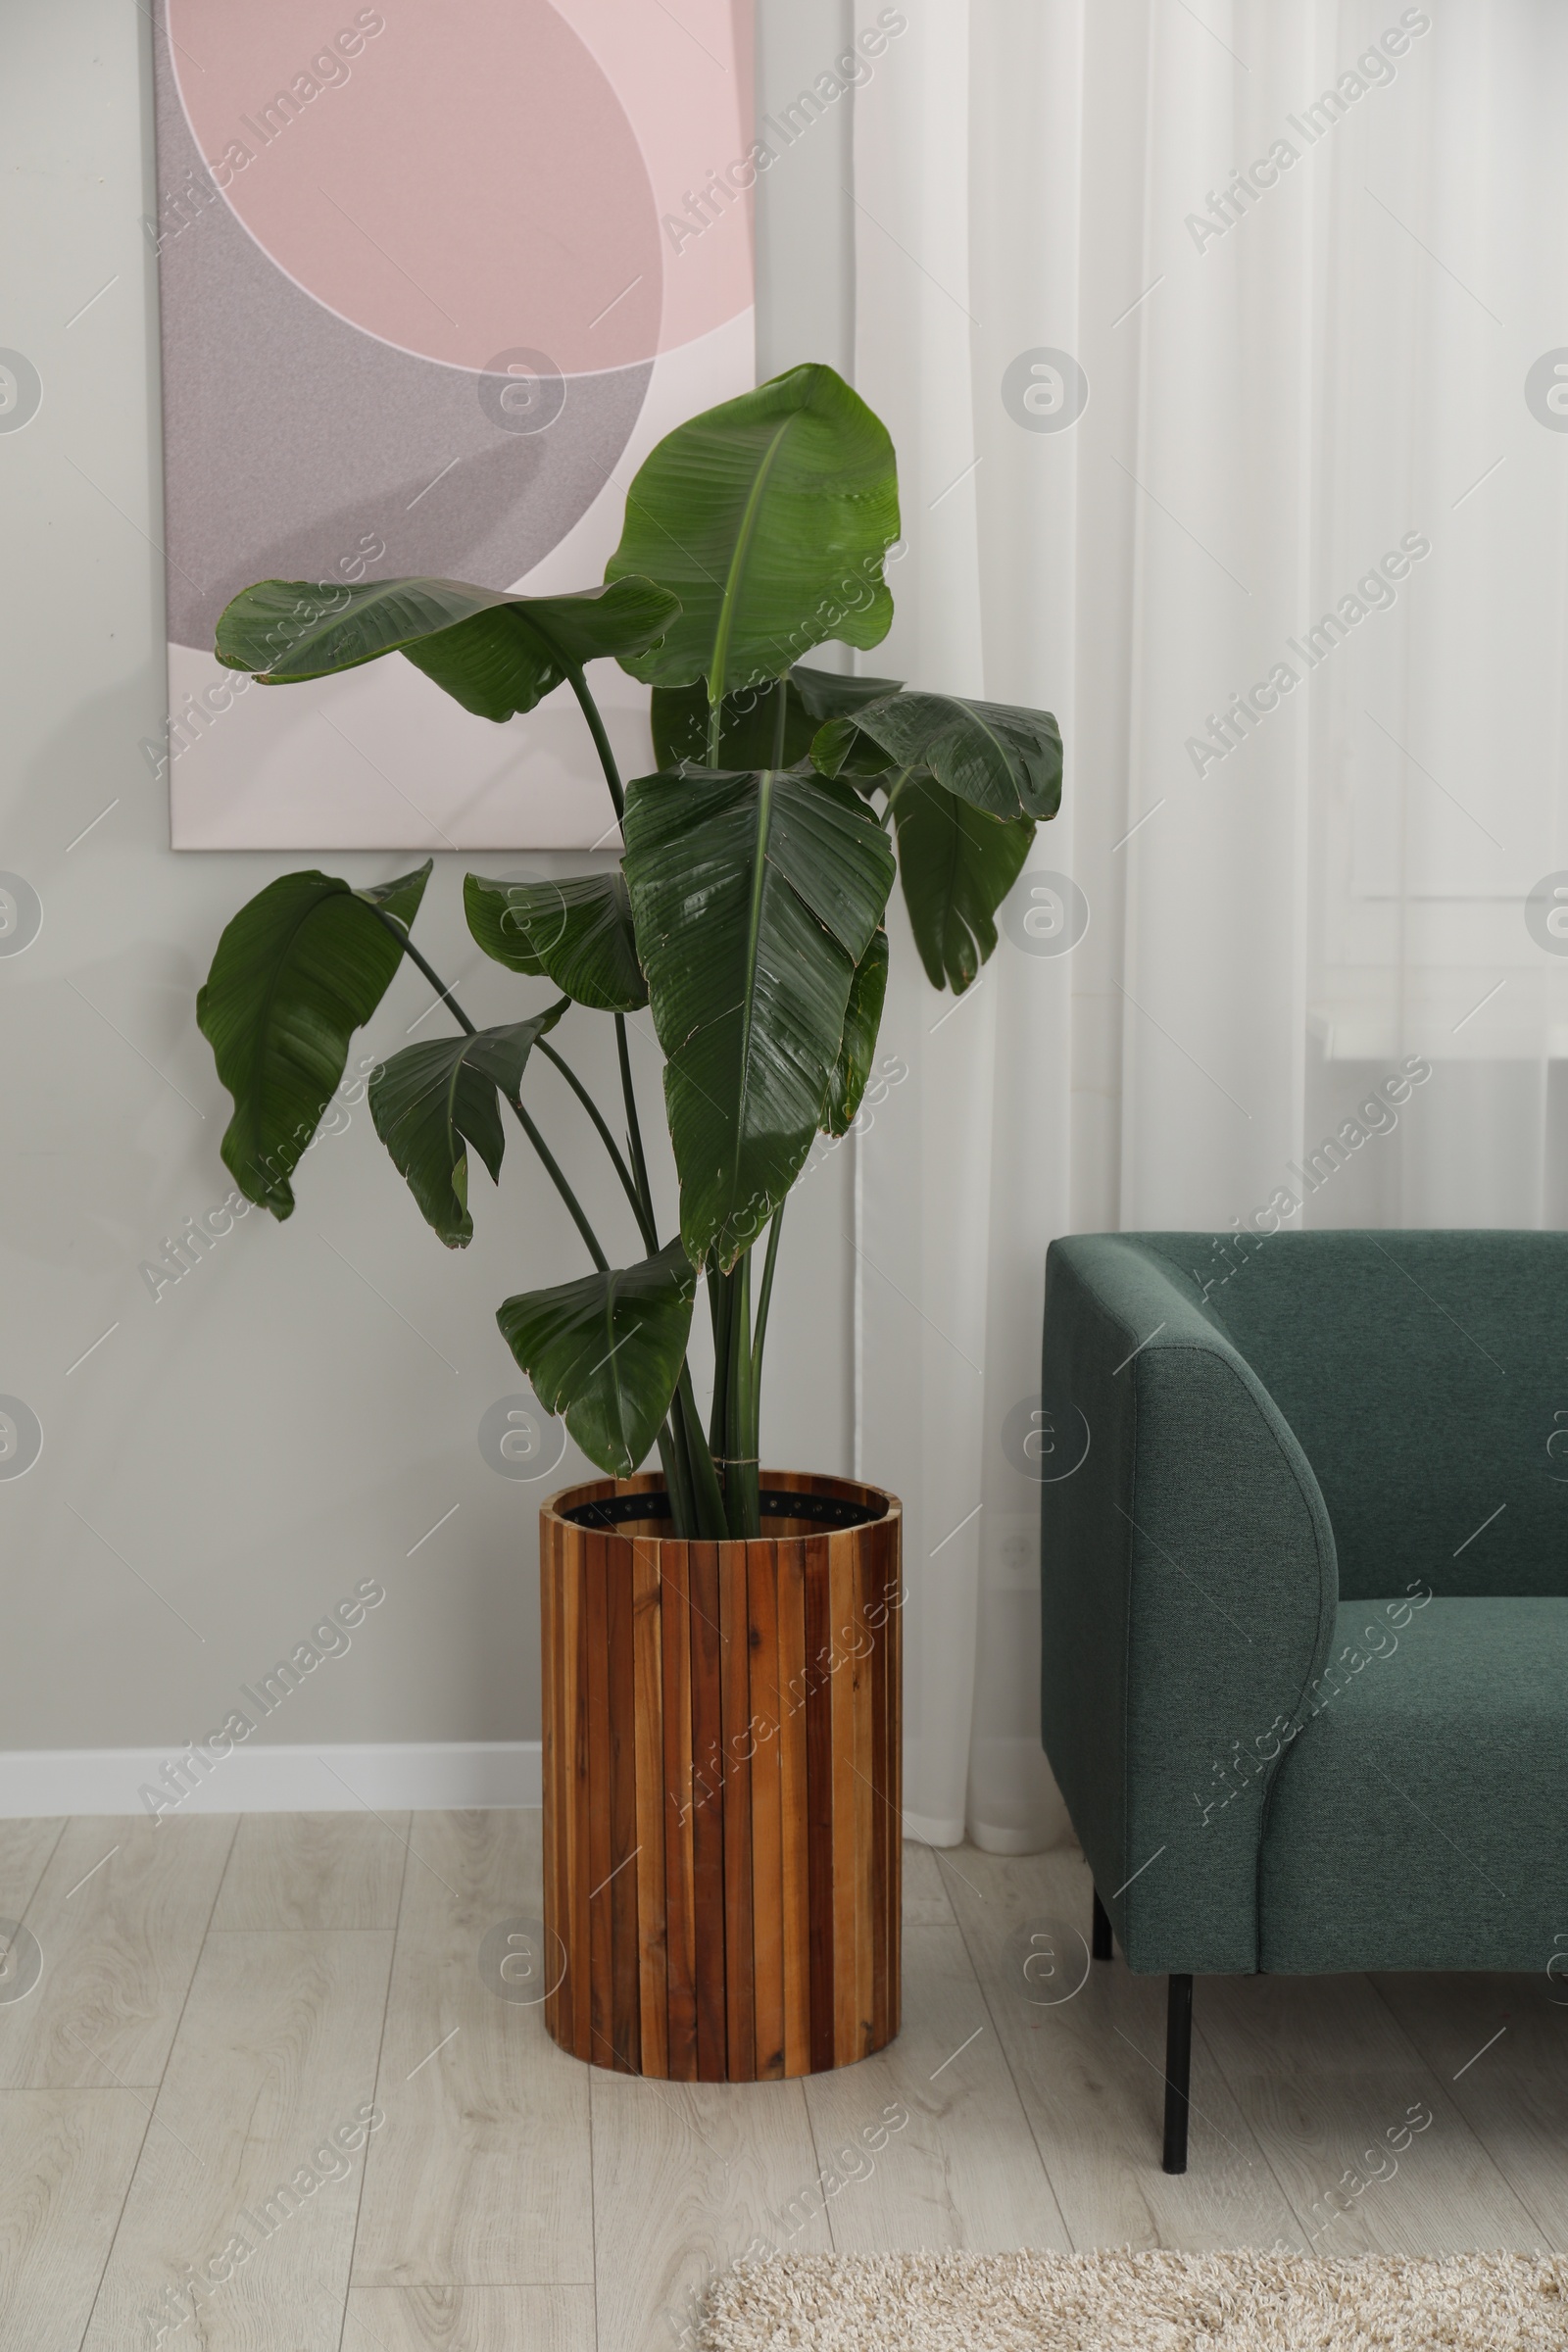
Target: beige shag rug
(1139,2302)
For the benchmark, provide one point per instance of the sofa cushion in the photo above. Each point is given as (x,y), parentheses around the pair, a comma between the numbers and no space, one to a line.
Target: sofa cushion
(1420,1817)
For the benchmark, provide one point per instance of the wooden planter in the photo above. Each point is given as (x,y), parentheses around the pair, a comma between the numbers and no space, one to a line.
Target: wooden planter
(722,1781)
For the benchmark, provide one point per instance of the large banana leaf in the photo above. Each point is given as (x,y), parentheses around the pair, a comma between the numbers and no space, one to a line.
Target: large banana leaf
(749,738)
(863,1018)
(825,695)
(606,1352)
(957,865)
(297,971)
(769,518)
(433,1100)
(1005,759)
(755,899)
(576,931)
(496,653)
(750,720)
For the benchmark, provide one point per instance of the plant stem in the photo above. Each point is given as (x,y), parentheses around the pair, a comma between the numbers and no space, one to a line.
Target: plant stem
(513,1103)
(573,673)
(592,1108)
(741,1485)
(781,715)
(718,1302)
(634,1137)
(886,817)
(760,1331)
(428,969)
(695,1494)
(695,1506)
(677,1476)
(752,1443)
(546,1160)
(708,1494)
(697,1503)
(596,728)
(639,1192)
(682,1474)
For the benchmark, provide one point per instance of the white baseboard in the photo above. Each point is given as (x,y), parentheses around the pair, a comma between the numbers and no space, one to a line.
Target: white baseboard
(407,1776)
(926,1829)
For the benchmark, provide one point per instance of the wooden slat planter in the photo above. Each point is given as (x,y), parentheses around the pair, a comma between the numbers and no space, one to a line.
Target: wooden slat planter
(722,1781)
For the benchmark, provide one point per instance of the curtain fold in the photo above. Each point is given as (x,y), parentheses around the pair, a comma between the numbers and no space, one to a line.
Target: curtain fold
(1218,345)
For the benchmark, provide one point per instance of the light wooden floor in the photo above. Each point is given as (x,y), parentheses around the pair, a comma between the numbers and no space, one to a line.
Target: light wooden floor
(218,1996)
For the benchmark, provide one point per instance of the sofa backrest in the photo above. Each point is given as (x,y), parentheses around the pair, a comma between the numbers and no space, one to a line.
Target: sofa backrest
(1426,1378)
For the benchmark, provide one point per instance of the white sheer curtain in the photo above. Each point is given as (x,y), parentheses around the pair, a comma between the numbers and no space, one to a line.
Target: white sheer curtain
(1316,381)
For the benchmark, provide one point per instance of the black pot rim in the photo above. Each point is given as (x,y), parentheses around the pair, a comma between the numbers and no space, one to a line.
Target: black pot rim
(778,1500)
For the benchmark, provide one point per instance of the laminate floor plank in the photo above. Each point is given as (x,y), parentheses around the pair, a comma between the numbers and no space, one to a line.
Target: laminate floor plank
(313,1870)
(118,1913)
(929,2136)
(254,1992)
(1373,2151)
(25,1851)
(1085,2043)
(471,2319)
(687,2177)
(925,1892)
(250,2170)
(67,2163)
(482,2175)
(1499,2046)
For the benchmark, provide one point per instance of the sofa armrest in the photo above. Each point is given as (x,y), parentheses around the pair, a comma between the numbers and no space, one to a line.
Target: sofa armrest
(1189,1585)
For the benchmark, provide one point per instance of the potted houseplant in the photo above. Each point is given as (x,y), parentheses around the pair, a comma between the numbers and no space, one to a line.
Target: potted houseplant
(720,1644)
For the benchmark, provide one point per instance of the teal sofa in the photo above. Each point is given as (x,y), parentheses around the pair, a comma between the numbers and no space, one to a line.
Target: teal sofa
(1304,1583)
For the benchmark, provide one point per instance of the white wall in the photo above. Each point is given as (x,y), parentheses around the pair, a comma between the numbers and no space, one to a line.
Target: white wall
(806,213)
(302,1408)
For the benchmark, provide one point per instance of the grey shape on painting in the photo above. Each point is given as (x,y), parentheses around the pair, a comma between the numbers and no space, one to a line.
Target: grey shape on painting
(300,447)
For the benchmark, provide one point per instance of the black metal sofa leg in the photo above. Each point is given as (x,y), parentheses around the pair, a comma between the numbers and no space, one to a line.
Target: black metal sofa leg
(1178,2071)
(1178,2045)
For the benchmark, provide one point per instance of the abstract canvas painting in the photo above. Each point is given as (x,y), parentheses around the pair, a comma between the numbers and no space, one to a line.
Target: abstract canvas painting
(434,279)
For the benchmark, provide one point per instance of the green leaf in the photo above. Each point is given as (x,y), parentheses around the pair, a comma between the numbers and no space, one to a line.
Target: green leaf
(496,653)
(606,1352)
(679,717)
(432,1100)
(297,971)
(825,695)
(400,899)
(997,757)
(577,931)
(769,518)
(957,865)
(863,1018)
(755,899)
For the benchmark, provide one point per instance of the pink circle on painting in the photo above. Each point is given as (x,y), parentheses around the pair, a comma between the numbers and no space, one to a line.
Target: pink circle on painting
(455,179)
